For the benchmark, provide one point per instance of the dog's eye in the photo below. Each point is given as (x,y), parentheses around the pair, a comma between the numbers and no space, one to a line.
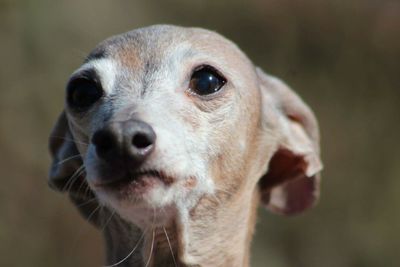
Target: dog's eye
(82,93)
(206,81)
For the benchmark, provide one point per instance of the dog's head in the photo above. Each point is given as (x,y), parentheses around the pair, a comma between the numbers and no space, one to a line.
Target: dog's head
(162,116)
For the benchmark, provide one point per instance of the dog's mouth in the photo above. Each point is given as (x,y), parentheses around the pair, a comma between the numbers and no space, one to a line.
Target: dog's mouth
(136,182)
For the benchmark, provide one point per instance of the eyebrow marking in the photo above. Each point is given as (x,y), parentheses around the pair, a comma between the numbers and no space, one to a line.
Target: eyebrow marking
(105,69)
(88,74)
(98,53)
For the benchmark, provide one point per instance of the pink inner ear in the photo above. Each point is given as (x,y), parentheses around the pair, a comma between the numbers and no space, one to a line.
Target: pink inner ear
(283,167)
(300,195)
(286,189)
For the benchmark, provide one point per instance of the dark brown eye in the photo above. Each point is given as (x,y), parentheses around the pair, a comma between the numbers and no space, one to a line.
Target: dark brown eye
(83,93)
(206,81)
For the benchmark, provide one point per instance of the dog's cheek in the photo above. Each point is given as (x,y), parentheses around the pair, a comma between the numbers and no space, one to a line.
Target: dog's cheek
(226,162)
(236,139)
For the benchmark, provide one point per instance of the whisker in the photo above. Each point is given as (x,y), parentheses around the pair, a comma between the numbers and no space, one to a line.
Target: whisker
(152,241)
(69,139)
(87,192)
(108,221)
(76,179)
(151,249)
(86,202)
(129,254)
(93,212)
(83,182)
(69,158)
(74,176)
(170,247)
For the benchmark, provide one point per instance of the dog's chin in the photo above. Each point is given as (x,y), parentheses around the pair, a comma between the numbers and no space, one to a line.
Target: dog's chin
(152,189)
(139,197)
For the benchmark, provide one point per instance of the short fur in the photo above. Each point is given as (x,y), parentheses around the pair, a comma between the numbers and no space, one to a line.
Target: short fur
(253,141)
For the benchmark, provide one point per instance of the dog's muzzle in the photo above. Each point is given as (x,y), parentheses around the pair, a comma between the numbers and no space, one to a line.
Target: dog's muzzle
(123,146)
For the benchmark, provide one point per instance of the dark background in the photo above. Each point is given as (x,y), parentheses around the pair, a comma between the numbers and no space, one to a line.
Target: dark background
(341,56)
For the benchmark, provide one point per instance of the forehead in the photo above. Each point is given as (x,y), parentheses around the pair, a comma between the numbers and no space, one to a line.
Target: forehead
(152,46)
(155,63)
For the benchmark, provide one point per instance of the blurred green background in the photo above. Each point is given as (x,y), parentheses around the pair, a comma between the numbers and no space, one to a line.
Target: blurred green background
(343,57)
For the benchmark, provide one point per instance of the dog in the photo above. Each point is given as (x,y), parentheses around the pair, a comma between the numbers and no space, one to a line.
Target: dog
(170,139)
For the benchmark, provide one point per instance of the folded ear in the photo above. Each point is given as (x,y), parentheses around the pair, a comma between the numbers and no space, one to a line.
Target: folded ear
(291,184)
(66,171)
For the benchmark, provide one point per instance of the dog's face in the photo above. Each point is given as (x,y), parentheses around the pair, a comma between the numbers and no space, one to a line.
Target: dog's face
(163,116)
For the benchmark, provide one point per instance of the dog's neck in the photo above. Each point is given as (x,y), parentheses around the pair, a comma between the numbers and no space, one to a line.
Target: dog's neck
(217,233)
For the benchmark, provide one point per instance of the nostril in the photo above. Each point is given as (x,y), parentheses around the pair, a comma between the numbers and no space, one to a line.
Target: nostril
(141,141)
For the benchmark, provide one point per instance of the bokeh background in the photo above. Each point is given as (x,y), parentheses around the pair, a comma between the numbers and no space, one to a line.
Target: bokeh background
(343,57)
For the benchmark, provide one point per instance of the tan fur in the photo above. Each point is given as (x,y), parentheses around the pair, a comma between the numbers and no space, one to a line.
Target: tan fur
(257,139)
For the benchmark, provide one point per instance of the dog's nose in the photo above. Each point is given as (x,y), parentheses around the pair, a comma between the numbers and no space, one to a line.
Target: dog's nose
(129,141)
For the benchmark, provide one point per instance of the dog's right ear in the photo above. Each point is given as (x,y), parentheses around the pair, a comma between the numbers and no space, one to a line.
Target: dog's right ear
(65,174)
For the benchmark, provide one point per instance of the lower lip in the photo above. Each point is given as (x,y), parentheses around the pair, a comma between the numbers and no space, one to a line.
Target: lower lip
(136,187)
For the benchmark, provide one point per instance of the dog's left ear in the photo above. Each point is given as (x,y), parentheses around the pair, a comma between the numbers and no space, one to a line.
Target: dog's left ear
(291,184)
